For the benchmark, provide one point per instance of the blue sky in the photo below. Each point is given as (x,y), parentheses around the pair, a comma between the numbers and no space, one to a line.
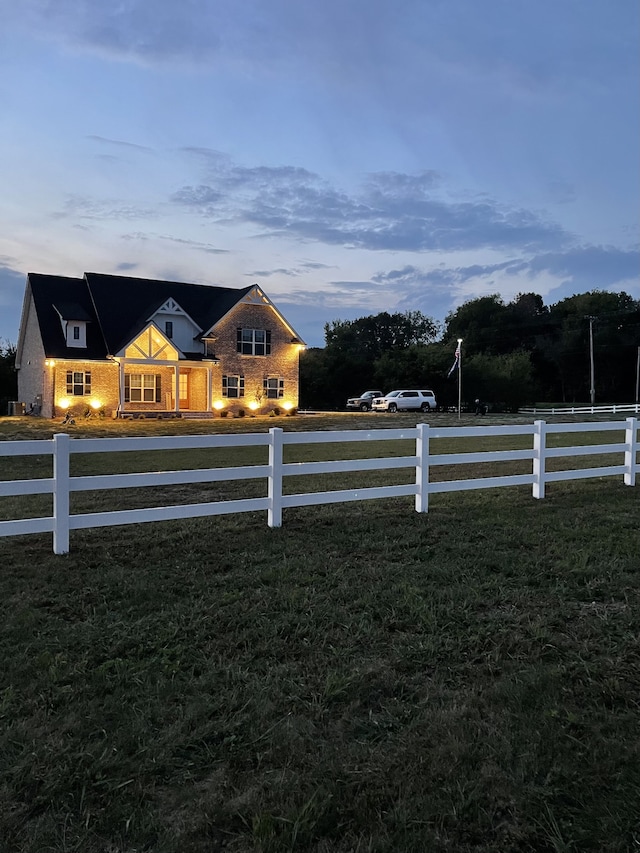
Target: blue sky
(350,156)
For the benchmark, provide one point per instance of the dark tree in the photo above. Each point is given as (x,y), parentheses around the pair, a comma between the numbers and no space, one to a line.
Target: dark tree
(347,364)
(8,376)
(481,324)
(614,319)
(506,382)
(369,337)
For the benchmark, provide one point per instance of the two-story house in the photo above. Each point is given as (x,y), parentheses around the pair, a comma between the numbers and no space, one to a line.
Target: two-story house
(135,347)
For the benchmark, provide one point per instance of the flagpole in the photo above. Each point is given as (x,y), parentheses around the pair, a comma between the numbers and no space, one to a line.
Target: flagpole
(459,377)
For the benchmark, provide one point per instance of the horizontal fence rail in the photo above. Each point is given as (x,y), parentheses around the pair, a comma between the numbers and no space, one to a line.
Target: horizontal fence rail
(613,409)
(61,485)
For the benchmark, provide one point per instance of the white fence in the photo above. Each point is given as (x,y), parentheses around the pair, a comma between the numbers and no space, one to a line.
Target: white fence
(625,408)
(62,484)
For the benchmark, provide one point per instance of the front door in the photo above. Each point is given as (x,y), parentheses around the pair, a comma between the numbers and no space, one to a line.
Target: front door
(183,390)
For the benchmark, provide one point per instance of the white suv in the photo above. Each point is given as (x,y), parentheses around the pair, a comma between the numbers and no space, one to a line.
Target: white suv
(394,401)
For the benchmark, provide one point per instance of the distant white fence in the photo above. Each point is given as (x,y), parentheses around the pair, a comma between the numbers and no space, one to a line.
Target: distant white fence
(585,410)
(62,484)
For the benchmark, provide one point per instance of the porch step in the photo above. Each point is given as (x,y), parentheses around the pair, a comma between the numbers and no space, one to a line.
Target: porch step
(148,414)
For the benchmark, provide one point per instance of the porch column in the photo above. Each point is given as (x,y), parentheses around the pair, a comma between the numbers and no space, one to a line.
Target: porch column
(209,385)
(176,402)
(121,385)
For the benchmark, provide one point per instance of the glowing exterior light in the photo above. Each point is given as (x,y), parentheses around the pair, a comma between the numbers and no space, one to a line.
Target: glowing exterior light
(253,406)
(64,403)
(95,404)
(218,405)
(287,406)
(50,362)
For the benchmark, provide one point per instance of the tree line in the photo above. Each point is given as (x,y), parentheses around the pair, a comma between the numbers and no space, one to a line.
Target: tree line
(513,353)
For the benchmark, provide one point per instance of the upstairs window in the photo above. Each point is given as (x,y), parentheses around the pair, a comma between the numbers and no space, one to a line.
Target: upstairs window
(75,333)
(273,387)
(233,386)
(168,328)
(254,342)
(78,383)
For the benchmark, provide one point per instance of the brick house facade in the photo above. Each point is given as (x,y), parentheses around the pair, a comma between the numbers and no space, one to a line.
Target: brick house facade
(130,347)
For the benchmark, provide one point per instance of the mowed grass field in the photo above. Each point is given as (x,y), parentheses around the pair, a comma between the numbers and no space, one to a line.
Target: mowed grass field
(362,679)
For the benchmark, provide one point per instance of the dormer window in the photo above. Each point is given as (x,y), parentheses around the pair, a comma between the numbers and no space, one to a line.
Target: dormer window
(76,333)
(168,328)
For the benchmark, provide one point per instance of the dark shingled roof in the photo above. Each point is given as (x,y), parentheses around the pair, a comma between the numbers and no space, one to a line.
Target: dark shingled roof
(70,311)
(117,307)
(57,290)
(124,304)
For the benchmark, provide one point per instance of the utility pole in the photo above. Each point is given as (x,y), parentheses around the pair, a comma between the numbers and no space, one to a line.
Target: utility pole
(459,354)
(592,372)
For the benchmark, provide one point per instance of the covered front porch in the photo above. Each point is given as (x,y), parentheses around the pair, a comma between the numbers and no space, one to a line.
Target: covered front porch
(165,390)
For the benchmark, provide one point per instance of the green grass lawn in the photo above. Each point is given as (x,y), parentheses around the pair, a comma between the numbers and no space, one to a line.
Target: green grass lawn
(362,679)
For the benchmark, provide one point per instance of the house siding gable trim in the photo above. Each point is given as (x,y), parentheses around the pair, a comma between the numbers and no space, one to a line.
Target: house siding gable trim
(255,297)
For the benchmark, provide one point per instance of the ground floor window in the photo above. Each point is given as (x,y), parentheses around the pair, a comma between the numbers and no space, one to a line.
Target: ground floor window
(142,387)
(78,382)
(273,387)
(233,386)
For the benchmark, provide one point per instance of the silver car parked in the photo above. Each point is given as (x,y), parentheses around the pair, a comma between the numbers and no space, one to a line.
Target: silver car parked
(363,402)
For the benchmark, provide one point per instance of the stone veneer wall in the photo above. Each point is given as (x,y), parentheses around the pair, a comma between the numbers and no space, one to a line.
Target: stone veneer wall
(104,386)
(198,389)
(283,361)
(32,375)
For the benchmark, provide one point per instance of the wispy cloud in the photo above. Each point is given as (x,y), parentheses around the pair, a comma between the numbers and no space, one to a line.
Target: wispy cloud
(140,30)
(391,211)
(302,268)
(199,246)
(80,207)
(350,42)
(591,267)
(316,265)
(293,273)
(573,271)
(119,143)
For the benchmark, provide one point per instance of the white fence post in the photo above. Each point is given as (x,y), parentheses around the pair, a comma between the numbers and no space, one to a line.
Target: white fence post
(631,451)
(61,493)
(422,468)
(539,458)
(274,513)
